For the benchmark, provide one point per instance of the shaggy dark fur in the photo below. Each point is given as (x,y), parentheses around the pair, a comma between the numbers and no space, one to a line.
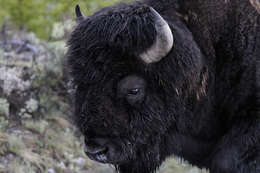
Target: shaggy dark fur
(200,102)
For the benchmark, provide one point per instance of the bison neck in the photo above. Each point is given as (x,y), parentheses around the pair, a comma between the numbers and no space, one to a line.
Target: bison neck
(196,131)
(196,151)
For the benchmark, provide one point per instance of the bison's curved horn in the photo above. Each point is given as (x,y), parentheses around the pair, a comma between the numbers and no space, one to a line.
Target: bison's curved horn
(79,15)
(255,4)
(163,43)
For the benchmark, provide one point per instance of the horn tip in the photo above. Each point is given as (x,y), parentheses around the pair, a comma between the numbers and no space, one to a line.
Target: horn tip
(153,10)
(78,11)
(156,14)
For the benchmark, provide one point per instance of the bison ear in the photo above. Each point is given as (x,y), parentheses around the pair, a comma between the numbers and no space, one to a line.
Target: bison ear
(79,15)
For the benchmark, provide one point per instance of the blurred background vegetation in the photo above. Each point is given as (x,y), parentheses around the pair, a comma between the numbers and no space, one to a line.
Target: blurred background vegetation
(40,16)
(36,133)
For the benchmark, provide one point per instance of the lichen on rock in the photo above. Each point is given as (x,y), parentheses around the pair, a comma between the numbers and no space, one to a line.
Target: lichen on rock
(11,80)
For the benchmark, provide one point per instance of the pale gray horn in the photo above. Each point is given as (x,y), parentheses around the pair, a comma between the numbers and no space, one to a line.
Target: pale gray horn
(79,15)
(256,4)
(163,43)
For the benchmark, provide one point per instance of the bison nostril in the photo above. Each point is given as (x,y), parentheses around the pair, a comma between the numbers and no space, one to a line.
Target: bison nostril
(95,150)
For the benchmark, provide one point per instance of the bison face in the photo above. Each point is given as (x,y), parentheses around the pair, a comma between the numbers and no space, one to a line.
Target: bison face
(119,118)
(135,76)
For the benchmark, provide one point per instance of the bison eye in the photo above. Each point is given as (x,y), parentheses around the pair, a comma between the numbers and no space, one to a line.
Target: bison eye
(134,91)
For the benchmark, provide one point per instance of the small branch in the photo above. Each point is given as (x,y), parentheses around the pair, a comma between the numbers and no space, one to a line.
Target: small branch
(3,31)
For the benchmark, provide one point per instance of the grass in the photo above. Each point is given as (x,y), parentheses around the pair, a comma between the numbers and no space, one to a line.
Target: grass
(44,145)
(36,126)
(50,145)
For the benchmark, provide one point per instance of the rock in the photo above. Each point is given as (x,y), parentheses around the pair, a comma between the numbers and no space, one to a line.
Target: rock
(81,161)
(51,170)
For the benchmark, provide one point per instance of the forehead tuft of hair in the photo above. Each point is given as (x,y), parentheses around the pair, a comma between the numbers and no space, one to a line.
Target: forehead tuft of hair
(128,28)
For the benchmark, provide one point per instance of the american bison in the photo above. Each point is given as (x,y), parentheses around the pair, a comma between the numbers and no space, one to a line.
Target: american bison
(154,78)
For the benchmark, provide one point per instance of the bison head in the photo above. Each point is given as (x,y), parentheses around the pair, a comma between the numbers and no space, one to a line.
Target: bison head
(136,74)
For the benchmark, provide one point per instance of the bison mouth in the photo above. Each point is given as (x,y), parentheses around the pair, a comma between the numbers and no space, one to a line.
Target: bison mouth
(104,150)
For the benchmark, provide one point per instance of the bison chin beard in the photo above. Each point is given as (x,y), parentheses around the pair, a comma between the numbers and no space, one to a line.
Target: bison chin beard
(146,160)
(129,157)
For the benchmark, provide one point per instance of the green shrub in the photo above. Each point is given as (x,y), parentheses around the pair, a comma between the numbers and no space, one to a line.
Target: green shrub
(39,16)
(4,107)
